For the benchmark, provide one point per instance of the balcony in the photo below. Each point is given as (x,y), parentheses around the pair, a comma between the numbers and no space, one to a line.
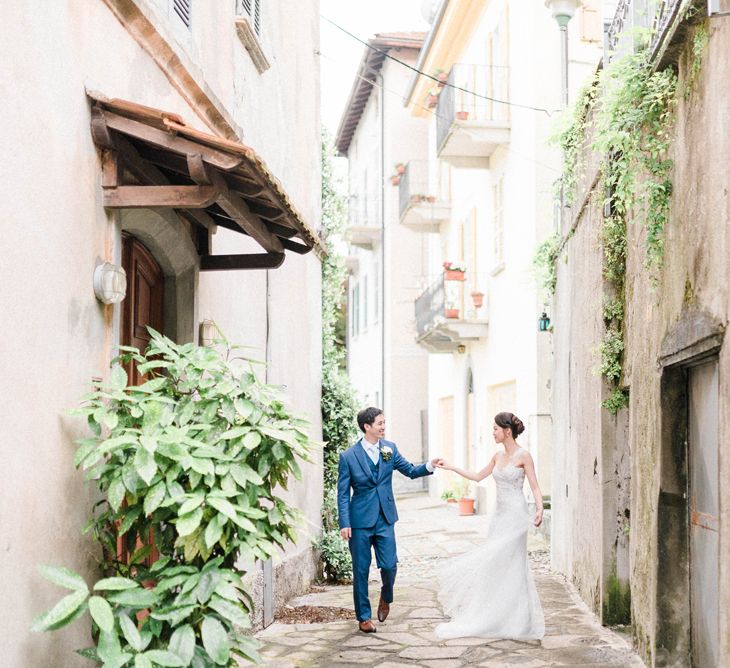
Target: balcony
(661,16)
(422,203)
(468,126)
(442,322)
(363,227)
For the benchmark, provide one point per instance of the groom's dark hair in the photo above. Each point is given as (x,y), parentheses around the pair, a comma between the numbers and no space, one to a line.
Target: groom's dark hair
(367,416)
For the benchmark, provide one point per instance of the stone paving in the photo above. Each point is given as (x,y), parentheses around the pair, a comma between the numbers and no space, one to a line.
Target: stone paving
(428,532)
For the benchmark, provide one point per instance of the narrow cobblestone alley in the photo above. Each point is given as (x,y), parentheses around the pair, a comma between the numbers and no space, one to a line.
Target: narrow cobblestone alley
(428,532)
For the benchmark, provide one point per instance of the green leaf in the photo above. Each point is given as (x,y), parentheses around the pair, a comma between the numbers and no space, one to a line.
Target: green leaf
(243,474)
(148,442)
(145,465)
(130,631)
(202,466)
(118,378)
(108,647)
(118,661)
(182,643)
(111,420)
(101,613)
(231,611)
(86,446)
(252,440)
(135,598)
(130,517)
(142,661)
(236,432)
(208,582)
(164,658)
(191,504)
(115,584)
(214,530)
(116,493)
(175,614)
(62,613)
(223,506)
(155,496)
(189,523)
(63,577)
(215,640)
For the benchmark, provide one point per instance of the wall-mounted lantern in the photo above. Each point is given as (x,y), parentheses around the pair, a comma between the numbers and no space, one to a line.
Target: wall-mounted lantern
(110,283)
(543,324)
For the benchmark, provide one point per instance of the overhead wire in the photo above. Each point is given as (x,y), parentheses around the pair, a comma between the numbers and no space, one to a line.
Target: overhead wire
(386,54)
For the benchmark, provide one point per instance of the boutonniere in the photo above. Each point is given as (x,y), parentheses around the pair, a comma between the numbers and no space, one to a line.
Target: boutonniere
(386,452)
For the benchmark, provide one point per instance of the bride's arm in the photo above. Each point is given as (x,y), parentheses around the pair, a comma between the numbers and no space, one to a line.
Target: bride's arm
(476,476)
(532,479)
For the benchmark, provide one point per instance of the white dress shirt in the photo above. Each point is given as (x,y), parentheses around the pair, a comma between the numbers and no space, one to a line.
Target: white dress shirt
(373,451)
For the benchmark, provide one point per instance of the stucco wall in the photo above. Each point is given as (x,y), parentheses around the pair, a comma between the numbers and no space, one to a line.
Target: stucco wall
(55,229)
(693,280)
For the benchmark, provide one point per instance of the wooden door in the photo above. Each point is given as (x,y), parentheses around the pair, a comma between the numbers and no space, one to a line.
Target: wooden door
(142,307)
(704,514)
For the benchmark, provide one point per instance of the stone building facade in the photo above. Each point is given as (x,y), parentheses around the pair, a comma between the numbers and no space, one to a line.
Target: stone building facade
(639,519)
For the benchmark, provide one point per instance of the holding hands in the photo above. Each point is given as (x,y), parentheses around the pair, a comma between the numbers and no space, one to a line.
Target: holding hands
(438,463)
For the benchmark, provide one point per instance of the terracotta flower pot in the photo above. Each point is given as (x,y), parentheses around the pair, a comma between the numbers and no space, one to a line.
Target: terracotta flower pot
(395,180)
(430,199)
(466,506)
(462,115)
(400,168)
(451,313)
(478,299)
(453,275)
(432,101)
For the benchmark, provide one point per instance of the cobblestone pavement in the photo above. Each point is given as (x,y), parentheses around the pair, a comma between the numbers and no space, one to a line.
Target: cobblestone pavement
(428,532)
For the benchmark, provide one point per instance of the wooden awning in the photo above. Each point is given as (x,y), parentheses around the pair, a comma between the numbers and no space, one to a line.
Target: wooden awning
(150,158)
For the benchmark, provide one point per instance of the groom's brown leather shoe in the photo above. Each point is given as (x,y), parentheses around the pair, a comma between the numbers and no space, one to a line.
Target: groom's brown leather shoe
(383,610)
(367,626)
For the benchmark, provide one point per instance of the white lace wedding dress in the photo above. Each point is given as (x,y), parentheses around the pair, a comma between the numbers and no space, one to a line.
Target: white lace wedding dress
(489,592)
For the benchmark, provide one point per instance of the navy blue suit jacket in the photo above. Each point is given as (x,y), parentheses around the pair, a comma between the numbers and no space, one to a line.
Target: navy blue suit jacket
(371,492)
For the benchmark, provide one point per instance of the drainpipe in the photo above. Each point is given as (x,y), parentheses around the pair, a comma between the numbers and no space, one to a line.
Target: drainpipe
(382,240)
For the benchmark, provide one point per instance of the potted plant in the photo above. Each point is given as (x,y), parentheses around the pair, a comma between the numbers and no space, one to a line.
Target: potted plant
(430,199)
(451,312)
(462,115)
(465,497)
(442,77)
(433,98)
(454,271)
(449,496)
(477,298)
(395,179)
(400,168)
(417,198)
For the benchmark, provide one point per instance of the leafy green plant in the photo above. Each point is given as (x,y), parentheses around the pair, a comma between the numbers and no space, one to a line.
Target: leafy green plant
(448,494)
(339,405)
(545,263)
(187,462)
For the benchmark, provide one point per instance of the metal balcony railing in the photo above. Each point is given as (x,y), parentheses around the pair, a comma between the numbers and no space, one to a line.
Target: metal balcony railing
(416,186)
(364,211)
(491,82)
(430,306)
(656,15)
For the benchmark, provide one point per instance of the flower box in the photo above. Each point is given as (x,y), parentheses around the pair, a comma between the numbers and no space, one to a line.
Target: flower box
(451,313)
(453,275)
(462,115)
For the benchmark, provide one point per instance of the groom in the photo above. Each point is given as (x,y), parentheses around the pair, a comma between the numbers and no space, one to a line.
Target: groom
(367,518)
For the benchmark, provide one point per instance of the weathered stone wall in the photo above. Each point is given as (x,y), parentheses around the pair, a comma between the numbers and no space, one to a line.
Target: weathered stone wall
(679,313)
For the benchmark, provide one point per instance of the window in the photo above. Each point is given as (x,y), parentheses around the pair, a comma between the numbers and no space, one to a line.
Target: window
(248,26)
(376,292)
(181,8)
(364,303)
(355,311)
(498,224)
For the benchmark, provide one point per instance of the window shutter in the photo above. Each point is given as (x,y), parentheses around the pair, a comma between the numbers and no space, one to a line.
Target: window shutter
(182,9)
(252,9)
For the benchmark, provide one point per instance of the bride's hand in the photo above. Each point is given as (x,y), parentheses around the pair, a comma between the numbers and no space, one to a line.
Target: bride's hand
(538,518)
(442,464)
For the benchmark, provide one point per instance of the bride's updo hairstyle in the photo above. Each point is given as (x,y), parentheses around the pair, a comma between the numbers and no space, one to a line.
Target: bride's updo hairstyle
(510,421)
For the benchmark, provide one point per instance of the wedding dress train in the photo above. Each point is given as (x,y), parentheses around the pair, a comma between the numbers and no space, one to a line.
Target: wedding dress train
(489,592)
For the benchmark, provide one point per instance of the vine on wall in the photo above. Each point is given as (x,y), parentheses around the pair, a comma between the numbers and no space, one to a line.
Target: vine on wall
(339,406)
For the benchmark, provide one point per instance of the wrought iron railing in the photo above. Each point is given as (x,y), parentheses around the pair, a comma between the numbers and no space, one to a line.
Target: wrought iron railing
(430,306)
(417,186)
(491,83)
(656,15)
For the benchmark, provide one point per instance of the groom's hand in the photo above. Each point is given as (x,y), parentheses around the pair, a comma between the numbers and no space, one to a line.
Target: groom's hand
(437,463)
(346,533)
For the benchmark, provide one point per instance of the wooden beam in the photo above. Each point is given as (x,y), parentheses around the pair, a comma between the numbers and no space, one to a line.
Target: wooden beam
(173,197)
(294,246)
(172,142)
(244,261)
(148,173)
(109,168)
(237,209)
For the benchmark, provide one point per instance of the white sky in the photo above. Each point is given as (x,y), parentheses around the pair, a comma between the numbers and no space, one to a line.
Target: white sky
(341,54)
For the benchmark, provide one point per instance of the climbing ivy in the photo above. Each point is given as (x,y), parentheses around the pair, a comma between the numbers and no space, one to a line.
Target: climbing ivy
(545,263)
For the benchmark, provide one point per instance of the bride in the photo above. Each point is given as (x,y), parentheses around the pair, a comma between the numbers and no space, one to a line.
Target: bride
(489,592)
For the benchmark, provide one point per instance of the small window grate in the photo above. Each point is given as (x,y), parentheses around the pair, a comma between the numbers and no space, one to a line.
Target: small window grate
(252,9)
(182,9)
